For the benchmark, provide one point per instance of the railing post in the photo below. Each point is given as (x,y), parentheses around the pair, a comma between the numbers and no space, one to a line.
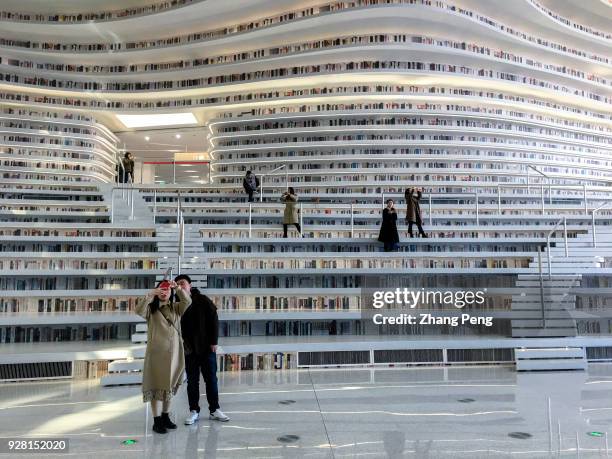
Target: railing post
(174,171)
(261,187)
(594,231)
(499,199)
(430,215)
(112,215)
(586,205)
(542,192)
(528,179)
(383,199)
(154,205)
(565,236)
(352,221)
(541,286)
(301,219)
(132,204)
(548,255)
(178,206)
(250,220)
(477,211)
(549,193)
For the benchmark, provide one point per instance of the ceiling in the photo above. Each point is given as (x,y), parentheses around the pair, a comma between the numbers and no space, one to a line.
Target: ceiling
(162,144)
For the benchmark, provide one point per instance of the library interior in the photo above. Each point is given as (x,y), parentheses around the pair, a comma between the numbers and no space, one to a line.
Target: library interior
(203,203)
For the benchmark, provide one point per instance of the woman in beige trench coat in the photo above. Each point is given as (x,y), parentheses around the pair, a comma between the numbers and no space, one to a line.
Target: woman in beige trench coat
(290,216)
(164,363)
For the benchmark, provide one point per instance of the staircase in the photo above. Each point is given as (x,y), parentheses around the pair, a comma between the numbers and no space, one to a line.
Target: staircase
(128,371)
(554,317)
(168,248)
(123,210)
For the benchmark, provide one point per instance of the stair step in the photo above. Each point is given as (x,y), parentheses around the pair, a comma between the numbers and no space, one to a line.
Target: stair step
(118,366)
(121,379)
(563,358)
(139,338)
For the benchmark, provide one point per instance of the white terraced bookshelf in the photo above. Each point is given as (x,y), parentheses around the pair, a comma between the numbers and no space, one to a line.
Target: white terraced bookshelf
(501,111)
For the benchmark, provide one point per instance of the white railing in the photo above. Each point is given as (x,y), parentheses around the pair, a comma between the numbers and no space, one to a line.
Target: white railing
(263,176)
(593,221)
(548,236)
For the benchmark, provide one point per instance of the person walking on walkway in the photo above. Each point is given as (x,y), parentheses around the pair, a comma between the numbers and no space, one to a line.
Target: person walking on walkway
(388,228)
(164,363)
(290,216)
(413,210)
(200,325)
(250,183)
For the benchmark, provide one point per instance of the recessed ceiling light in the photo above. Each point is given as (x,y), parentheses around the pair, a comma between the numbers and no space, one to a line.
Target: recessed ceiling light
(190,171)
(158,119)
(178,136)
(147,138)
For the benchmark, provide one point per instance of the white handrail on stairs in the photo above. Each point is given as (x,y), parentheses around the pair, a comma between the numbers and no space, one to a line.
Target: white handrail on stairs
(550,233)
(593,220)
(261,185)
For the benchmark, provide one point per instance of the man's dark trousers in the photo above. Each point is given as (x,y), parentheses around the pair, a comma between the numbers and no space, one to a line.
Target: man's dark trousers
(207,364)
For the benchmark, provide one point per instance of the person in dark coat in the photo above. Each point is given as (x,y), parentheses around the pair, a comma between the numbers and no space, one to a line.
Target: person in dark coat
(388,229)
(413,210)
(250,183)
(200,330)
(128,168)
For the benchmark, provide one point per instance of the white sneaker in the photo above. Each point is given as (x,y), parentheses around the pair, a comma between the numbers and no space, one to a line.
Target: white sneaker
(193,417)
(219,415)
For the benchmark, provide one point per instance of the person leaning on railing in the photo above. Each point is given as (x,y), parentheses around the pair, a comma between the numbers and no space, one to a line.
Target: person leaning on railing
(164,364)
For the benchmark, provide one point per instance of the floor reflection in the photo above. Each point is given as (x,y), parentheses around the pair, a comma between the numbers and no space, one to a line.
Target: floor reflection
(469,412)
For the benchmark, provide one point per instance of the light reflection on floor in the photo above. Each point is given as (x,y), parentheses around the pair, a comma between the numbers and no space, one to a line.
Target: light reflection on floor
(464,412)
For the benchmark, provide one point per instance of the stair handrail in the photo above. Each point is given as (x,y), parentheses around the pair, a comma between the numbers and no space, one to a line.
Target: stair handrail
(594,211)
(547,177)
(263,176)
(550,233)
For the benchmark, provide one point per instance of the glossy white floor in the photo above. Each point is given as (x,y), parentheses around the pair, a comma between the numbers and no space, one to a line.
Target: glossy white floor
(390,412)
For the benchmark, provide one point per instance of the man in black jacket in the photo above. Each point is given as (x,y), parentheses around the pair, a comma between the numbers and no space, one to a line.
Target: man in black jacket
(200,330)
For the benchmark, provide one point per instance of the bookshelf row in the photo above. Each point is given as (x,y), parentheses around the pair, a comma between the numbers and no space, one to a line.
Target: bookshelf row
(256,361)
(370,66)
(102,247)
(468,110)
(285,17)
(410,120)
(24,334)
(250,97)
(126,280)
(300,48)
(100,302)
(78,232)
(513,261)
(352,41)
(60,264)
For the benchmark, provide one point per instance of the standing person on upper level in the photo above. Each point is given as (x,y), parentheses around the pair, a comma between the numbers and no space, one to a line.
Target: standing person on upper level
(250,184)
(290,216)
(128,168)
(413,210)
(200,327)
(388,228)
(164,363)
